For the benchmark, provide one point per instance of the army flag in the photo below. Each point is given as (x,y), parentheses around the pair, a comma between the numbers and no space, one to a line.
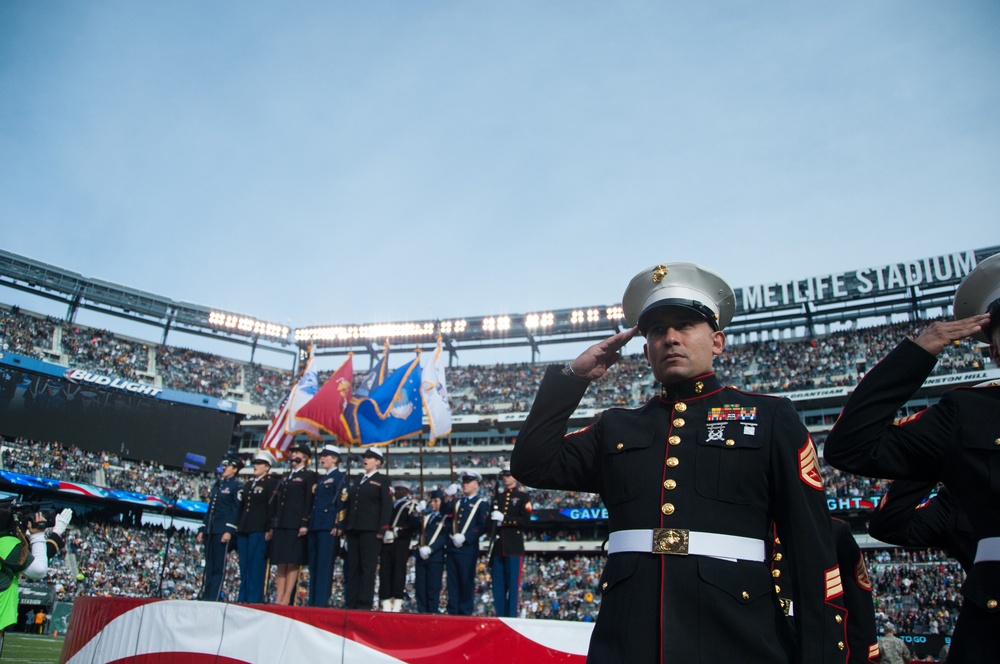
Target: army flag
(305,389)
(392,411)
(327,408)
(434,393)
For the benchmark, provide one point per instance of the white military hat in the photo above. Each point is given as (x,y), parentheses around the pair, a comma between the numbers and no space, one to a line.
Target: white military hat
(264,457)
(375,452)
(400,484)
(980,294)
(470,475)
(331,450)
(679,285)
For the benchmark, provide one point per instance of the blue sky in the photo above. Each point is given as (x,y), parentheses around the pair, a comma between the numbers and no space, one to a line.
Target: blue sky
(331,162)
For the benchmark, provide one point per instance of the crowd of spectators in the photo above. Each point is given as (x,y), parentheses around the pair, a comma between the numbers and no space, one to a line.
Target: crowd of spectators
(194,371)
(25,334)
(104,352)
(773,366)
(917,590)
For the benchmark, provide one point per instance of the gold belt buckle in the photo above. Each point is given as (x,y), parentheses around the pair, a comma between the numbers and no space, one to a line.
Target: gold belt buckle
(672,541)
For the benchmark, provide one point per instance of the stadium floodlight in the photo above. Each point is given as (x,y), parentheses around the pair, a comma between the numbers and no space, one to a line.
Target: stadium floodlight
(453,326)
(246,324)
(615,313)
(375,331)
(543,320)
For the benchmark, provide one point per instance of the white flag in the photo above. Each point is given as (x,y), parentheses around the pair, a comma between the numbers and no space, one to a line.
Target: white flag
(434,392)
(304,390)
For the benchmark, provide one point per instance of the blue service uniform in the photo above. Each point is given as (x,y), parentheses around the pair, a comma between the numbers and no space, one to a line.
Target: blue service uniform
(221,517)
(329,511)
(432,529)
(508,550)
(256,513)
(471,516)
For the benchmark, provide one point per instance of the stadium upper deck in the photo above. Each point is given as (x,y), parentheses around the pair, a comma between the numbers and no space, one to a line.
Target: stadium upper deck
(797,308)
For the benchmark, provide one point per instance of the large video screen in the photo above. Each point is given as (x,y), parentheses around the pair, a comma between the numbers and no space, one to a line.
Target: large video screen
(49,408)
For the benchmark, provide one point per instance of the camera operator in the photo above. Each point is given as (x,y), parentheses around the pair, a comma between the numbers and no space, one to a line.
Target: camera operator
(24,551)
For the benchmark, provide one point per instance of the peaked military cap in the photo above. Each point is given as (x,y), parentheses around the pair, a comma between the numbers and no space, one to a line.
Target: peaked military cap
(980,294)
(679,285)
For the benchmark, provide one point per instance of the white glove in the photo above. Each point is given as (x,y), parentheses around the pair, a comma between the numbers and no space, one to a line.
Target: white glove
(62,521)
(343,544)
(389,537)
(425,552)
(497,516)
(458,539)
(451,490)
(422,505)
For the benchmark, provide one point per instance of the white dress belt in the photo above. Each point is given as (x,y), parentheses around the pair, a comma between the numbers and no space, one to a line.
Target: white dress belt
(679,541)
(988,550)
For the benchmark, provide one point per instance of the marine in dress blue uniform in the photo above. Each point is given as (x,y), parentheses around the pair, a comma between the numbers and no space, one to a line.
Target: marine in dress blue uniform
(955,441)
(511,515)
(251,530)
(328,513)
(219,527)
(369,508)
(429,524)
(695,483)
(469,519)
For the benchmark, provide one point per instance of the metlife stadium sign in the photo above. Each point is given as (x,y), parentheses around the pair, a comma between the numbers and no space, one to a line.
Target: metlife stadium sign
(937,271)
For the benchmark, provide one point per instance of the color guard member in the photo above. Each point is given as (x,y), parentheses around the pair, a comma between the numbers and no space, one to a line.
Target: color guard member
(511,515)
(469,518)
(219,527)
(328,513)
(256,513)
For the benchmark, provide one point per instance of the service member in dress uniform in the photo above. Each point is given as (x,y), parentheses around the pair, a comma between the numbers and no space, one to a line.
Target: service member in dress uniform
(289,536)
(908,515)
(369,509)
(694,482)
(256,514)
(862,641)
(396,549)
(469,519)
(220,527)
(328,514)
(432,534)
(955,441)
(511,515)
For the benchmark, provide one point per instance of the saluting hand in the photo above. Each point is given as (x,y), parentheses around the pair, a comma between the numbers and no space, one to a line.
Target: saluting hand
(596,360)
(942,333)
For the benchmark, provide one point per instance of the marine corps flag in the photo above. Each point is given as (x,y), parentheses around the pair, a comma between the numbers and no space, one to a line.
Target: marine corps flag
(327,407)
(435,395)
(393,410)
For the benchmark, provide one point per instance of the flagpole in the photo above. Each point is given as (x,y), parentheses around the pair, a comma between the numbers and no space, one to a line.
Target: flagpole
(421,468)
(451,462)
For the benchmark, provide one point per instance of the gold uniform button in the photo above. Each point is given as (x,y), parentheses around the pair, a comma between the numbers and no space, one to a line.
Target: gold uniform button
(839,620)
(840,645)
(619,446)
(991,604)
(604,586)
(746,595)
(679,422)
(997,441)
(776,573)
(681,407)
(670,485)
(730,442)
(673,461)
(778,556)
(777,589)
(668,508)
(674,440)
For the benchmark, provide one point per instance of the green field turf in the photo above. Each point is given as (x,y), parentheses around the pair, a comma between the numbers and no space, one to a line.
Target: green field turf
(31,649)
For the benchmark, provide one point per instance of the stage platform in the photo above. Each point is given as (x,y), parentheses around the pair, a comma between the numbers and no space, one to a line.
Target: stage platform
(107,630)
